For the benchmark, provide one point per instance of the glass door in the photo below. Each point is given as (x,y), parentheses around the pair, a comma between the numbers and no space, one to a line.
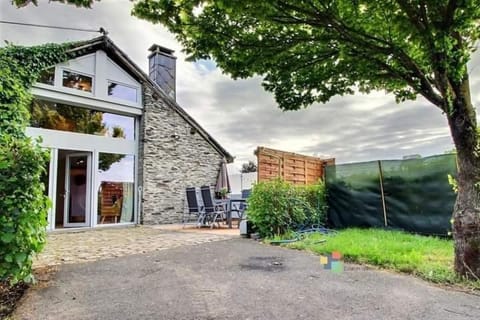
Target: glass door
(78,174)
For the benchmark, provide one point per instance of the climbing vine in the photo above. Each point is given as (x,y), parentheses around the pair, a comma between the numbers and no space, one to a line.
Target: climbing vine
(23,204)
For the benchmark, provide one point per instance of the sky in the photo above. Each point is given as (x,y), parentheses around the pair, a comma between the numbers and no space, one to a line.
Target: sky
(239,114)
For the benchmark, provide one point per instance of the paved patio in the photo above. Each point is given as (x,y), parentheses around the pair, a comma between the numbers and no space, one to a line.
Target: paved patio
(91,245)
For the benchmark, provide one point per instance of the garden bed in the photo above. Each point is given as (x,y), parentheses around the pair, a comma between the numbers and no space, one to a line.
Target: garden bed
(9,296)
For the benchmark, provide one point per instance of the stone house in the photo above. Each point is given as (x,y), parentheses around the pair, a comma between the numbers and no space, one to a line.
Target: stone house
(122,150)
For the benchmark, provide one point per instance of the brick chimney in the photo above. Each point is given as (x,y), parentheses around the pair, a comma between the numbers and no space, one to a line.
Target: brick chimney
(162,68)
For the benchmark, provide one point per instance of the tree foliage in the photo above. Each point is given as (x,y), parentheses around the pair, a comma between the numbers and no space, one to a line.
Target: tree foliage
(250,166)
(23,205)
(309,51)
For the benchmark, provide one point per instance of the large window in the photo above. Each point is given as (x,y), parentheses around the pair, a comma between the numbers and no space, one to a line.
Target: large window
(115,188)
(57,116)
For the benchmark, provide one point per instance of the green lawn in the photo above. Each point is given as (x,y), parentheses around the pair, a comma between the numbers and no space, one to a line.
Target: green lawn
(430,258)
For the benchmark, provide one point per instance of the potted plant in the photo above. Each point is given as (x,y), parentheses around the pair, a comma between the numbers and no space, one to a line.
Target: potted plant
(223,193)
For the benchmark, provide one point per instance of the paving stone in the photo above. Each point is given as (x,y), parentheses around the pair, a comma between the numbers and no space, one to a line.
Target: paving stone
(92,245)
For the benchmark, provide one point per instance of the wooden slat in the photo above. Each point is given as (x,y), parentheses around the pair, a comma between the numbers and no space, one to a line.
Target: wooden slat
(292,167)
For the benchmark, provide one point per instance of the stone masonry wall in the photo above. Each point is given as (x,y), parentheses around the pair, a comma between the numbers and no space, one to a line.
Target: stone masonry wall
(173,159)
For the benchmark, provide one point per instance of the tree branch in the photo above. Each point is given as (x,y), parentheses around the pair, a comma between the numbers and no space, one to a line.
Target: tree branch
(430,96)
(450,13)
(372,43)
(412,16)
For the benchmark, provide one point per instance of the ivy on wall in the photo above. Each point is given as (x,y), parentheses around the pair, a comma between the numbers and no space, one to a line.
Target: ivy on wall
(23,204)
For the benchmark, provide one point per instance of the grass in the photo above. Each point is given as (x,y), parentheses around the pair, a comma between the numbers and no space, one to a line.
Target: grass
(429,258)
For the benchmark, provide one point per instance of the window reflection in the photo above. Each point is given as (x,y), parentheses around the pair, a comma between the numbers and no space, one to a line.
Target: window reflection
(116,188)
(122,92)
(47,76)
(77,81)
(57,116)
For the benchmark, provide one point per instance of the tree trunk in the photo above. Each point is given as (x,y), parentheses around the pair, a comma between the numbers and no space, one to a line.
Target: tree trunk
(466,215)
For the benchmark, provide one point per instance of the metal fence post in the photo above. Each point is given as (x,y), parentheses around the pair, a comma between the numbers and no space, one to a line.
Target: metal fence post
(382,194)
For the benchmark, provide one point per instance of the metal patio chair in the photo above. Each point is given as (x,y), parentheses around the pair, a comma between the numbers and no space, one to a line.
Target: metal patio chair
(214,210)
(193,208)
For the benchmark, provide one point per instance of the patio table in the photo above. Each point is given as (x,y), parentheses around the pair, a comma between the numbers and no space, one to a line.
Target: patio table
(229,211)
(227,205)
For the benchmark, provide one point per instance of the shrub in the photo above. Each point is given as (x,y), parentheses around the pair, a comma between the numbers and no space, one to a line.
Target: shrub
(23,205)
(315,196)
(274,207)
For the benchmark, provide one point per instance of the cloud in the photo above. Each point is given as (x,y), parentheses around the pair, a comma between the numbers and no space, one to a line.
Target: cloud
(240,114)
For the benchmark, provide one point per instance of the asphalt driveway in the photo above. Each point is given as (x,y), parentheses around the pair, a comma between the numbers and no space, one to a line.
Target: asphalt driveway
(237,279)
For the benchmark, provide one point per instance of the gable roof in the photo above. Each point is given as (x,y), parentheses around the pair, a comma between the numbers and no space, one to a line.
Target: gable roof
(104,43)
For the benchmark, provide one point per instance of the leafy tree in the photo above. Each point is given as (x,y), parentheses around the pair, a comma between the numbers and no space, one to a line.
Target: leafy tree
(250,166)
(311,50)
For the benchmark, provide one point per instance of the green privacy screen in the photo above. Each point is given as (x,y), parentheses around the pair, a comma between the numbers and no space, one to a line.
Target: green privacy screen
(416,194)
(354,195)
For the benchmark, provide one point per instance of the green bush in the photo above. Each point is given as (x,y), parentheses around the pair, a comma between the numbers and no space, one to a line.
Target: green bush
(274,207)
(23,205)
(315,196)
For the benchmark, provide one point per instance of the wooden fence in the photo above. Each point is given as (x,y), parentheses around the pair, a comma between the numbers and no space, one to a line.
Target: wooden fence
(292,167)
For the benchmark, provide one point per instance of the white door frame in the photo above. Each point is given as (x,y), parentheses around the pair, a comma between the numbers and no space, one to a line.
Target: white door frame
(88,194)
(83,143)
(52,188)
